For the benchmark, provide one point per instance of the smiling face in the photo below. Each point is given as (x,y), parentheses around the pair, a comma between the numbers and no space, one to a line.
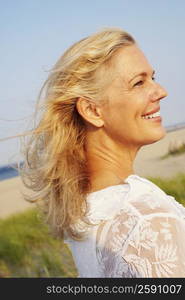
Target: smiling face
(132,94)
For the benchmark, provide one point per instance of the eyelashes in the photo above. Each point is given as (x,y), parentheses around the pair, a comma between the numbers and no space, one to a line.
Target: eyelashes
(141,82)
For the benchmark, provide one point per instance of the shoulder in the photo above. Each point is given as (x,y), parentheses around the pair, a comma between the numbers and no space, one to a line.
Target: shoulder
(137,197)
(149,199)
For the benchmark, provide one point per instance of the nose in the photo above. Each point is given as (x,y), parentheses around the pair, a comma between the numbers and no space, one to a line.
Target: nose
(159,92)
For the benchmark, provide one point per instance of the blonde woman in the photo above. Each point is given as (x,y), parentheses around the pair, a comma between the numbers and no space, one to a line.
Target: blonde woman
(100,106)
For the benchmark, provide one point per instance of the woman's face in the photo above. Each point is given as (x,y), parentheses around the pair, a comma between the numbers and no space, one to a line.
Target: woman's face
(132,94)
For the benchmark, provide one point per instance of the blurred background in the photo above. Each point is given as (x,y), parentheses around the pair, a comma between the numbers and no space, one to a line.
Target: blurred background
(34,34)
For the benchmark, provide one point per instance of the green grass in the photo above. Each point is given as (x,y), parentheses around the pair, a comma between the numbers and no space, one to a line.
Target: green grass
(27,249)
(174,187)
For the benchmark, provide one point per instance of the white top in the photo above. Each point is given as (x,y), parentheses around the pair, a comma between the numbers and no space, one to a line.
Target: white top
(139,232)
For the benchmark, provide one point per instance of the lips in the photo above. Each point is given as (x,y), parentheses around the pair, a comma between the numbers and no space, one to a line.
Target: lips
(151,112)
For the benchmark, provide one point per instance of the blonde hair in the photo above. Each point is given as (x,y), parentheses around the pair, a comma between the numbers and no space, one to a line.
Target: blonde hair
(55,165)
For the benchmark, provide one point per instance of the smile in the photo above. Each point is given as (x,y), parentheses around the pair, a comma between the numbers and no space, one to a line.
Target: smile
(151,116)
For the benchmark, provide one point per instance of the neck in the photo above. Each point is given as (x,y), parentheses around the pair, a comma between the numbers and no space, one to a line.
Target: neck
(108,163)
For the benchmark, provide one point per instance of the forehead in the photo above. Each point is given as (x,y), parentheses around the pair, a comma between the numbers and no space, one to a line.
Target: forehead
(130,61)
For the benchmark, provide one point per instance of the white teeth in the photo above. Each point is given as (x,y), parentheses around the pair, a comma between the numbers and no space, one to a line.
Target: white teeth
(157,114)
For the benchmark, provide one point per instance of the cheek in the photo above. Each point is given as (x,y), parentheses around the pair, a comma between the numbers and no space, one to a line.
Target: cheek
(113,118)
(138,104)
(122,114)
(119,124)
(114,114)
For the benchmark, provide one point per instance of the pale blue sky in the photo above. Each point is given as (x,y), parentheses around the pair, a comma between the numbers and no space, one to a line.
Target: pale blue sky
(34,33)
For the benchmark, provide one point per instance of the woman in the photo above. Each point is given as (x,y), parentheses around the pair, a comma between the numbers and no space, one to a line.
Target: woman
(101,105)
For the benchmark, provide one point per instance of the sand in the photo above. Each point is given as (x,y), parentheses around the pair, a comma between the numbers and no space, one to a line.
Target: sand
(148,163)
(11,199)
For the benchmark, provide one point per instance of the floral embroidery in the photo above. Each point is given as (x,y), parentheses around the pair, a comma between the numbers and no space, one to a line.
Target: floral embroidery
(165,255)
(148,250)
(139,232)
(165,229)
(140,267)
(144,237)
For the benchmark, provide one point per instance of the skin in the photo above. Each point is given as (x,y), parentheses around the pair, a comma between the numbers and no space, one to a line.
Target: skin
(116,130)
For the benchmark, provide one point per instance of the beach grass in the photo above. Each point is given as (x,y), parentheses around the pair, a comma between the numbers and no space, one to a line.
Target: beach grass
(174,187)
(28,249)
(175,149)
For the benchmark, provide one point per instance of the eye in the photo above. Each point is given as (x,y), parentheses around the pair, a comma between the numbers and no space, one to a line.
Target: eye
(140,82)
(153,78)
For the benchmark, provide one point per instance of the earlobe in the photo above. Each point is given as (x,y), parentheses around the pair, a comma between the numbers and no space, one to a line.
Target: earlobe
(89,111)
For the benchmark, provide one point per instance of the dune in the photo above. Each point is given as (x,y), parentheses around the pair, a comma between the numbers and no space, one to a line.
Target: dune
(11,198)
(148,163)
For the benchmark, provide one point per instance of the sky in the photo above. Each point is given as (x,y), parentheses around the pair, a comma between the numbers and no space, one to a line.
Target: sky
(34,34)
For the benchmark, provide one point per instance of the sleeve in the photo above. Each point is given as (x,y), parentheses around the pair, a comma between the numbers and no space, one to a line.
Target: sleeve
(132,247)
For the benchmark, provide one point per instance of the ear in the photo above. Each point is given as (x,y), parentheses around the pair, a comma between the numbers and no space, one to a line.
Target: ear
(89,111)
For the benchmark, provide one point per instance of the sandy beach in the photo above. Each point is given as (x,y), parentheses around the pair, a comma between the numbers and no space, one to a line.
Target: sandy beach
(11,198)
(147,163)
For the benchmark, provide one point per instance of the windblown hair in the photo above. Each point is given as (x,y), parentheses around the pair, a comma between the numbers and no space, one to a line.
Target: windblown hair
(55,164)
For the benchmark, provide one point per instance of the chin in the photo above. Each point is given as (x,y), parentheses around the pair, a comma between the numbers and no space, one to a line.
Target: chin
(155,137)
(158,135)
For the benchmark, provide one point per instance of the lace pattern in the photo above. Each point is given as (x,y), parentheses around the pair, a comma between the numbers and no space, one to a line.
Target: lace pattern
(138,233)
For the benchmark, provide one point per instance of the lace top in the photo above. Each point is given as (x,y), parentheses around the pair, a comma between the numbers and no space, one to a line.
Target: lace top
(138,231)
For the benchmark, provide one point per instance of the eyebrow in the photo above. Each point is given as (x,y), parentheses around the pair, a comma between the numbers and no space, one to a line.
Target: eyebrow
(141,74)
